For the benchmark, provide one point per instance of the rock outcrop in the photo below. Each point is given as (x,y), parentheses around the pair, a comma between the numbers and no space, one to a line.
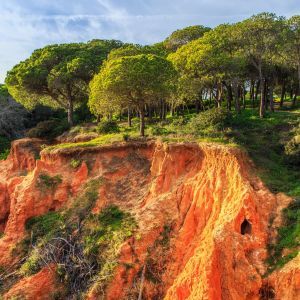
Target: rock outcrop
(203,217)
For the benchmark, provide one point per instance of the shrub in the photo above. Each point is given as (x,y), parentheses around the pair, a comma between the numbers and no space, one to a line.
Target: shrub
(158,130)
(108,127)
(4,154)
(46,182)
(75,163)
(126,137)
(48,129)
(31,266)
(209,121)
(44,225)
(4,147)
(180,121)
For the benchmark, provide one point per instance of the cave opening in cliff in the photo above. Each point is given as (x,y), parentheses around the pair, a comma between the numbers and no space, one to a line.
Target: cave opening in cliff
(246,227)
(266,292)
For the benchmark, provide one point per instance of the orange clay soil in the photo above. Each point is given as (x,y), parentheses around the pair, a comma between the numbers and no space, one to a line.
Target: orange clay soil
(203,217)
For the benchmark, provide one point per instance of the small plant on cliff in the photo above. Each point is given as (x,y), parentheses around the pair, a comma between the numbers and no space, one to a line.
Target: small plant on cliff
(44,226)
(32,264)
(47,182)
(75,163)
(103,236)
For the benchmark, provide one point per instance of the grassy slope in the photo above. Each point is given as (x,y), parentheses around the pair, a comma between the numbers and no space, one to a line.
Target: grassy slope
(264,140)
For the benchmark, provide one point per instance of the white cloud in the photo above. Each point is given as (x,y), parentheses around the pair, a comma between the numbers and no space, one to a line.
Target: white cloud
(27,25)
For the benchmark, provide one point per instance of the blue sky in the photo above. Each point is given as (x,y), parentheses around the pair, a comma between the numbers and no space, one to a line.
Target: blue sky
(29,24)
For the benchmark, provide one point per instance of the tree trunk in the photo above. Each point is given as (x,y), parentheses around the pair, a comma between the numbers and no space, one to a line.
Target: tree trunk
(243,97)
(161,107)
(252,88)
(142,120)
(150,112)
(236,98)
(164,110)
(271,89)
(266,98)
(294,102)
(70,113)
(283,90)
(98,118)
(219,94)
(262,108)
(129,117)
(229,95)
(291,93)
(197,106)
(257,90)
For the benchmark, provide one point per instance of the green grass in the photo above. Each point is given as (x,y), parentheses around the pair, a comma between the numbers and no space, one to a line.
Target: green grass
(264,141)
(100,141)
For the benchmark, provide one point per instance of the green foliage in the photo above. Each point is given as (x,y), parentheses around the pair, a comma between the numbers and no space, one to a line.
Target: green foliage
(131,81)
(209,122)
(75,163)
(58,75)
(126,137)
(32,264)
(46,182)
(158,130)
(104,235)
(256,135)
(4,154)
(108,127)
(181,37)
(48,129)
(4,147)
(44,226)
(3,90)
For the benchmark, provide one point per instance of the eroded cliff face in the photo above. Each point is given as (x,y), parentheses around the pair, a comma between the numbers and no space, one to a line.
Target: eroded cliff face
(203,219)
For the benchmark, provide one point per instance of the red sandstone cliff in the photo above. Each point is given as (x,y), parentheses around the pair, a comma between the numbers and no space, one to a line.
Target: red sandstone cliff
(216,209)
